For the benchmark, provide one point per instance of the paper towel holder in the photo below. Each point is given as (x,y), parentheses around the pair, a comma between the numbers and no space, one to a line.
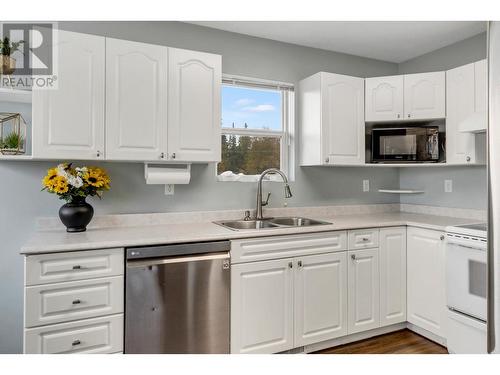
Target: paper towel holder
(167,174)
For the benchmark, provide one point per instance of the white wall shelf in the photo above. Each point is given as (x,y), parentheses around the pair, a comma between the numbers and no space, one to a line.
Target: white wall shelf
(14,95)
(400,191)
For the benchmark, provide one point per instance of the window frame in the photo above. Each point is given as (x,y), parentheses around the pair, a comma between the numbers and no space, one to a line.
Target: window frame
(287,124)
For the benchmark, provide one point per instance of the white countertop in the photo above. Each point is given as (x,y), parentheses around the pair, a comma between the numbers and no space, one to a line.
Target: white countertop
(144,235)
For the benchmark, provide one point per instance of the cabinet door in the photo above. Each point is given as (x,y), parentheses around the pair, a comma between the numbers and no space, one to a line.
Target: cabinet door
(363,290)
(262,306)
(426,280)
(424,96)
(136,100)
(392,275)
(68,121)
(194,120)
(460,104)
(343,125)
(384,98)
(320,298)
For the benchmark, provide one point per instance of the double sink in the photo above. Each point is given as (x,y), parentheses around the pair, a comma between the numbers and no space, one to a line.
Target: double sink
(277,222)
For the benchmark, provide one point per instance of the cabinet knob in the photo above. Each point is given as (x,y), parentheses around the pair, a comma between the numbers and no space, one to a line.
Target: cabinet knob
(468,159)
(77,267)
(365,239)
(299,263)
(162,155)
(290,265)
(98,153)
(441,237)
(409,115)
(76,302)
(327,160)
(76,342)
(353,257)
(399,116)
(173,155)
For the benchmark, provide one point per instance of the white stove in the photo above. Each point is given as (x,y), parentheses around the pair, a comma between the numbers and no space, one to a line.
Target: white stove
(466,287)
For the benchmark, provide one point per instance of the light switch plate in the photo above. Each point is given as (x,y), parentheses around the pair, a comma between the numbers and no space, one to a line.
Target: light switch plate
(366,185)
(448,186)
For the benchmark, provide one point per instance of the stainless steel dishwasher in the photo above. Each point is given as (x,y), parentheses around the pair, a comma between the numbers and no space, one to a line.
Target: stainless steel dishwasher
(177,298)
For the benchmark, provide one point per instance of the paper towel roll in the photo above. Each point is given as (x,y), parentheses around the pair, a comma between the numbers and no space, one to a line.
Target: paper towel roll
(167,175)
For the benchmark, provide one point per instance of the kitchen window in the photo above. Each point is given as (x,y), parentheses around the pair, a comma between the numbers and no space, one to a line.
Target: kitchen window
(257,123)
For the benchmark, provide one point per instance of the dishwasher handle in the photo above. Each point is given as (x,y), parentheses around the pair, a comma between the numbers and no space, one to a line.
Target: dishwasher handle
(163,251)
(183,259)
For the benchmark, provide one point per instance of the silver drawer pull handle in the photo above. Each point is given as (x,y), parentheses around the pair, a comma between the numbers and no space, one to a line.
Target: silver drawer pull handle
(76,302)
(76,342)
(77,267)
(353,257)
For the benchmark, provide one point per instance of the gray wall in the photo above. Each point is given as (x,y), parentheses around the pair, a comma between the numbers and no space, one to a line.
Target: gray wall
(469,184)
(22,200)
(460,53)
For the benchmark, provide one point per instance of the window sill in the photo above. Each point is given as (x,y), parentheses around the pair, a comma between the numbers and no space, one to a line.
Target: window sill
(231,177)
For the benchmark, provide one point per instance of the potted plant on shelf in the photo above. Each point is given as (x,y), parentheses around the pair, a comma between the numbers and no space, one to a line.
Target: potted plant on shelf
(7,63)
(74,185)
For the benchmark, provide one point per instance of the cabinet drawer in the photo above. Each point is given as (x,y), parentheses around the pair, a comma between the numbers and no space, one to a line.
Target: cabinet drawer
(77,265)
(255,249)
(62,302)
(363,239)
(97,335)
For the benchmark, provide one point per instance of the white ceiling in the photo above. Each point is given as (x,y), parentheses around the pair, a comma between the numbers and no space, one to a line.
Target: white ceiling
(394,41)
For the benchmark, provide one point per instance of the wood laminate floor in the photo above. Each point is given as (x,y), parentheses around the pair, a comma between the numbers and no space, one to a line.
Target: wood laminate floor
(399,342)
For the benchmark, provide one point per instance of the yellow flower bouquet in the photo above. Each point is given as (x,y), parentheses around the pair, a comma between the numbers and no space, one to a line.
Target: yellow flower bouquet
(73,185)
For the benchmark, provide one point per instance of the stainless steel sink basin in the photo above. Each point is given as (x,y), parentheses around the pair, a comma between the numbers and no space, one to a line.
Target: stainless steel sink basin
(247,224)
(296,221)
(278,222)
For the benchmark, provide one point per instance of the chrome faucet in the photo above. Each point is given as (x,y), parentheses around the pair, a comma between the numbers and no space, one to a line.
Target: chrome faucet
(260,203)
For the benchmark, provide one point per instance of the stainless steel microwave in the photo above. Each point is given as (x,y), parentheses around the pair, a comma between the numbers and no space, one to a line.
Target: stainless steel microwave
(405,145)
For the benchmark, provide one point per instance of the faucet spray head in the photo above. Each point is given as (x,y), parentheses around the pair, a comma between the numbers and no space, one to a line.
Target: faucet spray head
(288,192)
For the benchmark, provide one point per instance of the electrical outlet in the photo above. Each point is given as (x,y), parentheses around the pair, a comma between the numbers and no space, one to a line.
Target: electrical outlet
(366,185)
(169,189)
(448,186)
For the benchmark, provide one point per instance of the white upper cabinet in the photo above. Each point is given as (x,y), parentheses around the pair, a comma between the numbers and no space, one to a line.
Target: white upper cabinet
(424,96)
(405,97)
(136,100)
(466,108)
(384,98)
(332,120)
(68,122)
(194,118)
(392,275)
(320,298)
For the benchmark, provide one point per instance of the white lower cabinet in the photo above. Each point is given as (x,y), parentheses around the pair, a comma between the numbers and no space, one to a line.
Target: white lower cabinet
(69,307)
(262,306)
(392,275)
(426,280)
(304,299)
(320,298)
(97,335)
(363,290)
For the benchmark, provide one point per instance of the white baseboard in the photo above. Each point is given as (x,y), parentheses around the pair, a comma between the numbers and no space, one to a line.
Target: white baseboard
(354,337)
(428,335)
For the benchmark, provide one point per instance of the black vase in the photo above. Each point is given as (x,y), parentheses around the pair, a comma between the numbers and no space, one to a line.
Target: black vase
(76,215)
